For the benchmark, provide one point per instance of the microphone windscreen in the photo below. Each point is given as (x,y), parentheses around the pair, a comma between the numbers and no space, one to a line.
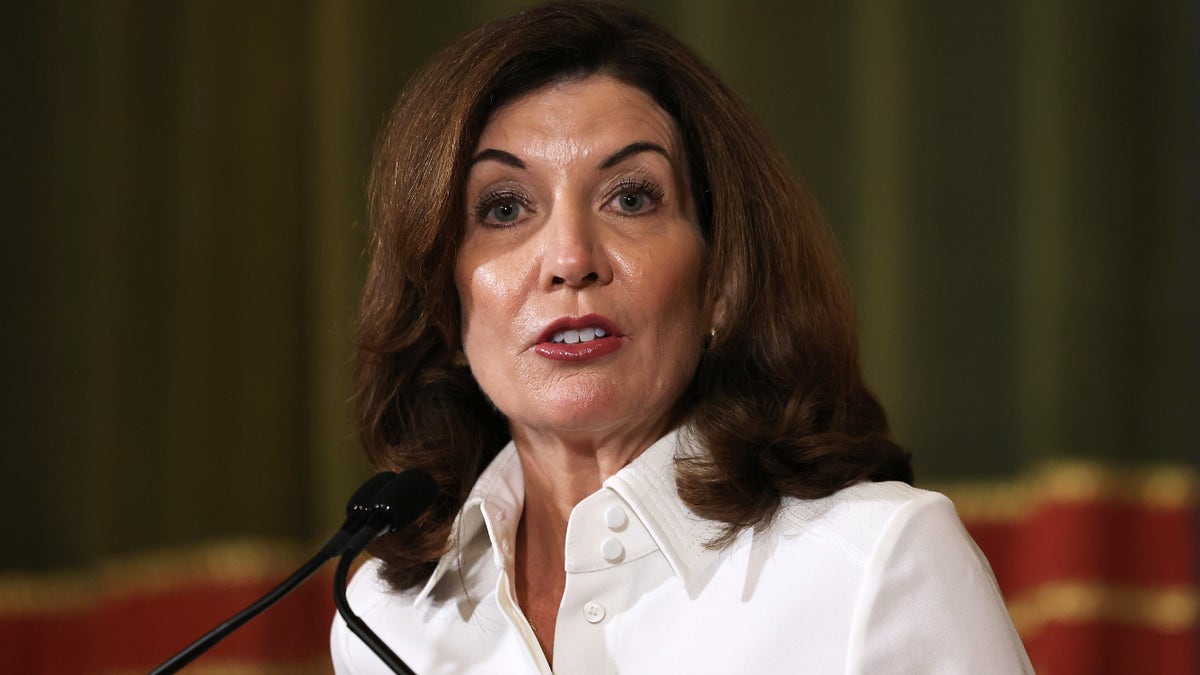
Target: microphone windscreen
(363,499)
(400,501)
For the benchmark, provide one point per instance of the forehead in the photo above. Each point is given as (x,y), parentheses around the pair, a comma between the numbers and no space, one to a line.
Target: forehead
(596,111)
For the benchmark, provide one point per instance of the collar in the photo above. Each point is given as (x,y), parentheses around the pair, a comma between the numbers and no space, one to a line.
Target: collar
(647,485)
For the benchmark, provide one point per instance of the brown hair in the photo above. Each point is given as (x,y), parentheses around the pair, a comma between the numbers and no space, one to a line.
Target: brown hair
(778,399)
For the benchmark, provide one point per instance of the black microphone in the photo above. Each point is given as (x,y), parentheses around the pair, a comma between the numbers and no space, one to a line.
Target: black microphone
(358,513)
(397,504)
(358,510)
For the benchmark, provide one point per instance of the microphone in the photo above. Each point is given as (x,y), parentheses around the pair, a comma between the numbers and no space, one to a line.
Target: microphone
(396,505)
(359,512)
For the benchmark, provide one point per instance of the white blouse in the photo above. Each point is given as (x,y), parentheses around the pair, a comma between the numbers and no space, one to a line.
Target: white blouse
(879,578)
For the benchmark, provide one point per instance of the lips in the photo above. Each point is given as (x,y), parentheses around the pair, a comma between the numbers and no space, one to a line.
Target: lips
(579,338)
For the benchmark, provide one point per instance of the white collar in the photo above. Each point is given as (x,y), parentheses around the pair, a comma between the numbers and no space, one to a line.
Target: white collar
(647,484)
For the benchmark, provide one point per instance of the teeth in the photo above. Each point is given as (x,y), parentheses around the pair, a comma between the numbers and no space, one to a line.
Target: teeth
(574,336)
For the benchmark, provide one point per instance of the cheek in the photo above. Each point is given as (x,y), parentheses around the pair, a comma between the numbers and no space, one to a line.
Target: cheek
(678,284)
(669,296)
(474,284)
(466,300)
(490,292)
(479,289)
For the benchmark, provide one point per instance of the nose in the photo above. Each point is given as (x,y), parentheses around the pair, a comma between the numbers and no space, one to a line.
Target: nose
(574,253)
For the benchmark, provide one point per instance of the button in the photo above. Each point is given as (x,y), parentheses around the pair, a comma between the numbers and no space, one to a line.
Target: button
(612,550)
(500,516)
(615,518)
(593,612)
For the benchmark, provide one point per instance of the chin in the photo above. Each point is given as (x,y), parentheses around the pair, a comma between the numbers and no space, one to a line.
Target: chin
(581,415)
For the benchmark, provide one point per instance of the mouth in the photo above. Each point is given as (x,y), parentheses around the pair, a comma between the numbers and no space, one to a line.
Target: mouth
(573,336)
(579,338)
(577,330)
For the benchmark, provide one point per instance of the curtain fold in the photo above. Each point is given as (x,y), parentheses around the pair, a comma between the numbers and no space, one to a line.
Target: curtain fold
(1014,186)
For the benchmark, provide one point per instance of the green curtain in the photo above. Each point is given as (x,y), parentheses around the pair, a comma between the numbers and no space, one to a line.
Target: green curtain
(1015,186)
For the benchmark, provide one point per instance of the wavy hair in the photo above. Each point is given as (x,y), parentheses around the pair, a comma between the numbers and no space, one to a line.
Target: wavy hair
(778,399)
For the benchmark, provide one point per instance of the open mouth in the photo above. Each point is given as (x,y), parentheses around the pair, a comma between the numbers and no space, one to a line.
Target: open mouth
(575,336)
(579,338)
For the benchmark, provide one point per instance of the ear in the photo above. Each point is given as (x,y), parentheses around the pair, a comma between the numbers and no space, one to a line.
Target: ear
(459,359)
(717,315)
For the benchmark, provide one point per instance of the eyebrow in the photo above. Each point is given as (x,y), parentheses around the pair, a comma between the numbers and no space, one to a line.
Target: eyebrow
(498,156)
(509,159)
(631,150)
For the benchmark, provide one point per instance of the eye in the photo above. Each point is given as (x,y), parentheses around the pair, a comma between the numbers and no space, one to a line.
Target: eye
(632,201)
(501,208)
(635,197)
(506,212)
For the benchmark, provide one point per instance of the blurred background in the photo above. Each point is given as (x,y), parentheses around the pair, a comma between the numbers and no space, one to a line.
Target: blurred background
(1016,186)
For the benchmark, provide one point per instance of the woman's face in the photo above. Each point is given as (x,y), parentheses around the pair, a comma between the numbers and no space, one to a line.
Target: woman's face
(579,269)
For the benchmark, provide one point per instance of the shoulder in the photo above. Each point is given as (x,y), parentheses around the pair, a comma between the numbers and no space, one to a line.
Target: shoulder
(379,606)
(925,599)
(857,520)
(368,589)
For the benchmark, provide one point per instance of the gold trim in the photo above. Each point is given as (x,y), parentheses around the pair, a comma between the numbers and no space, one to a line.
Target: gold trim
(1075,482)
(1168,609)
(220,563)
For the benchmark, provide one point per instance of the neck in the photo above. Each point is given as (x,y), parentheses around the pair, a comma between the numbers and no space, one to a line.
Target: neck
(559,473)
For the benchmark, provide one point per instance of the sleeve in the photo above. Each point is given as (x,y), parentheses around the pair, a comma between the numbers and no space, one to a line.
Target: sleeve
(929,603)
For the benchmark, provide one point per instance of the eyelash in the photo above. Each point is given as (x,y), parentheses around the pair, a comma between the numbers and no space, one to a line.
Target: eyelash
(639,186)
(493,198)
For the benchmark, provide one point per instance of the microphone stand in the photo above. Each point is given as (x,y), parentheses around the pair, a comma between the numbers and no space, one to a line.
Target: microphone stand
(354,622)
(399,504)
(219,633)
(385,503)
(377,498)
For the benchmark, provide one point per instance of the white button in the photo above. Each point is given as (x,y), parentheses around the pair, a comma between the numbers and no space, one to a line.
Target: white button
(615,518)
(593,612)
(500,516)
(612,550)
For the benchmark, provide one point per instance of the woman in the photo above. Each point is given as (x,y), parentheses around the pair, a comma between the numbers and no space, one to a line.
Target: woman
(606,316)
